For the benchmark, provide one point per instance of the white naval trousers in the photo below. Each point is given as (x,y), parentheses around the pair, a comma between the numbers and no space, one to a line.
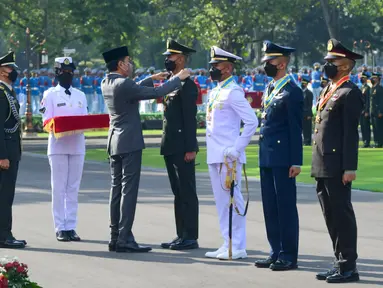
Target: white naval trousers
(222,200)
(66,174)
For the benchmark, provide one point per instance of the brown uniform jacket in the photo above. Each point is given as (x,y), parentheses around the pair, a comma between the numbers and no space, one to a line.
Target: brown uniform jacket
(336,137)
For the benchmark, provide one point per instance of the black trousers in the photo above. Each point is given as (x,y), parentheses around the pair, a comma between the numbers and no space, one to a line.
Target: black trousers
(7,194)
(307,131)
(365,129)
(335,200)
(377,127)
(182,181)
(125,172)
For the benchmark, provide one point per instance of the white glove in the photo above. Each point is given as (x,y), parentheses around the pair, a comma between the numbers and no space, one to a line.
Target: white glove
(231,153)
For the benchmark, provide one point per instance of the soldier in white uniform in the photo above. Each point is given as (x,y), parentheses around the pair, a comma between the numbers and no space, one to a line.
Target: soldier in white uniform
(66,154)
(226,107)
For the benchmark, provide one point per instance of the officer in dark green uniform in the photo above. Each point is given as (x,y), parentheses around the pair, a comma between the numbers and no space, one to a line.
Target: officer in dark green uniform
(365,116)
(10,149)
(377,109)
(179,147)
(307,111)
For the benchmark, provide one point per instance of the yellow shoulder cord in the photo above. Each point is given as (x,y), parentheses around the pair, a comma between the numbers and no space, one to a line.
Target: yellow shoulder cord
(230,176)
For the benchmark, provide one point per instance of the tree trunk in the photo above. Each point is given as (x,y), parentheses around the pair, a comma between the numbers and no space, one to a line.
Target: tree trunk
(330,18)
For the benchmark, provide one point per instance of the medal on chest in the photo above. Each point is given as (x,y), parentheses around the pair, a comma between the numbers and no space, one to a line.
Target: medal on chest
(327,96)
(212,102)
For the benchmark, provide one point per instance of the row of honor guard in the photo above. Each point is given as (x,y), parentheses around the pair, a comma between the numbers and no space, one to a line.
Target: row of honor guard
(280,154)
(43,79)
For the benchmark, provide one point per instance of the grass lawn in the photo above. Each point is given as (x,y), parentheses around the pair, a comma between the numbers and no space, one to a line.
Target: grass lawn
(369,175)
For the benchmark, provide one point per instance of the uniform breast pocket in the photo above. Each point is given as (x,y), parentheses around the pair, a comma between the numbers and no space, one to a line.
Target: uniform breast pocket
(333,106)
(276,107)
(219,105)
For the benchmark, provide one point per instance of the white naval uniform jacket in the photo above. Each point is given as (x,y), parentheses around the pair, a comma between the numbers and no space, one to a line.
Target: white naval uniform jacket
(56,103)
(224,123)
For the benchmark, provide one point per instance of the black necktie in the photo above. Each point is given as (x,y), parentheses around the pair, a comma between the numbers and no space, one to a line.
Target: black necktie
(67,92)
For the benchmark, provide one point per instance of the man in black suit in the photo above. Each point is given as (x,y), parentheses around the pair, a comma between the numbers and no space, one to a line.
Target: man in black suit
(125,140)
(335,159)
(10,149)
(179,147)
(307,123)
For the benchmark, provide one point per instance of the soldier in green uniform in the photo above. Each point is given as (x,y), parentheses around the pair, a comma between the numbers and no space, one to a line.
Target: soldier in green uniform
(10,149)
(307,111)
(179,147)
(377,109)
(365,116)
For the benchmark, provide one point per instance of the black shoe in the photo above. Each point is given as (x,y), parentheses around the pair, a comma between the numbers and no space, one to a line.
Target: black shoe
(185,245)
(264,263)
(283,265)
(343,277)
(73,235)
(12,244)
(112,245)
(366,145)
(62,236)
(167,245)
(324,275)
(131,247)
(14,239)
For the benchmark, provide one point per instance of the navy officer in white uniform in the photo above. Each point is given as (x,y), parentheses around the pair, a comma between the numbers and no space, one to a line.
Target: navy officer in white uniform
(226,108)
(66,154)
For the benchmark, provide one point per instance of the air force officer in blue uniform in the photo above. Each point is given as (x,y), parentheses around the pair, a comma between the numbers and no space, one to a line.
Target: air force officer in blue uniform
(280,158)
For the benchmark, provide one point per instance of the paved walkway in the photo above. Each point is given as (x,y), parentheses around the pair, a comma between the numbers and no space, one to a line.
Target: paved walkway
(89,264)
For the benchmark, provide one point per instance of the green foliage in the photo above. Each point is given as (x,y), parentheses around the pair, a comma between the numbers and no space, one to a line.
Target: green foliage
(91,26)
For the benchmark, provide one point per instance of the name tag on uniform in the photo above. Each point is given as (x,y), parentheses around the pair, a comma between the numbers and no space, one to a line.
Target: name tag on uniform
(335,97)
(61,104)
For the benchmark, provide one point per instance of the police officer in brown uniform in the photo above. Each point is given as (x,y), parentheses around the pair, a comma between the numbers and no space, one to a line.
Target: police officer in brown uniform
(335,159)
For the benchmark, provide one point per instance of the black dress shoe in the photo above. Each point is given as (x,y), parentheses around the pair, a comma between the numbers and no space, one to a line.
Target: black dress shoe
(343,277)
(283,265)
(112,245)
(167,245)
(12,244)
(185,245)
(73,235)
(324,275)
(62,236)
(264,263)
(131,247)
(13,238)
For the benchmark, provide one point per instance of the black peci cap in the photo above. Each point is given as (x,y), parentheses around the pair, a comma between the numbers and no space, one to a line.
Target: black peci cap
(115,54)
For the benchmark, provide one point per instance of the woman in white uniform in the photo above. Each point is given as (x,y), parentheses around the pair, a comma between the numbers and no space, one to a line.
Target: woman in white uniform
(66,154)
